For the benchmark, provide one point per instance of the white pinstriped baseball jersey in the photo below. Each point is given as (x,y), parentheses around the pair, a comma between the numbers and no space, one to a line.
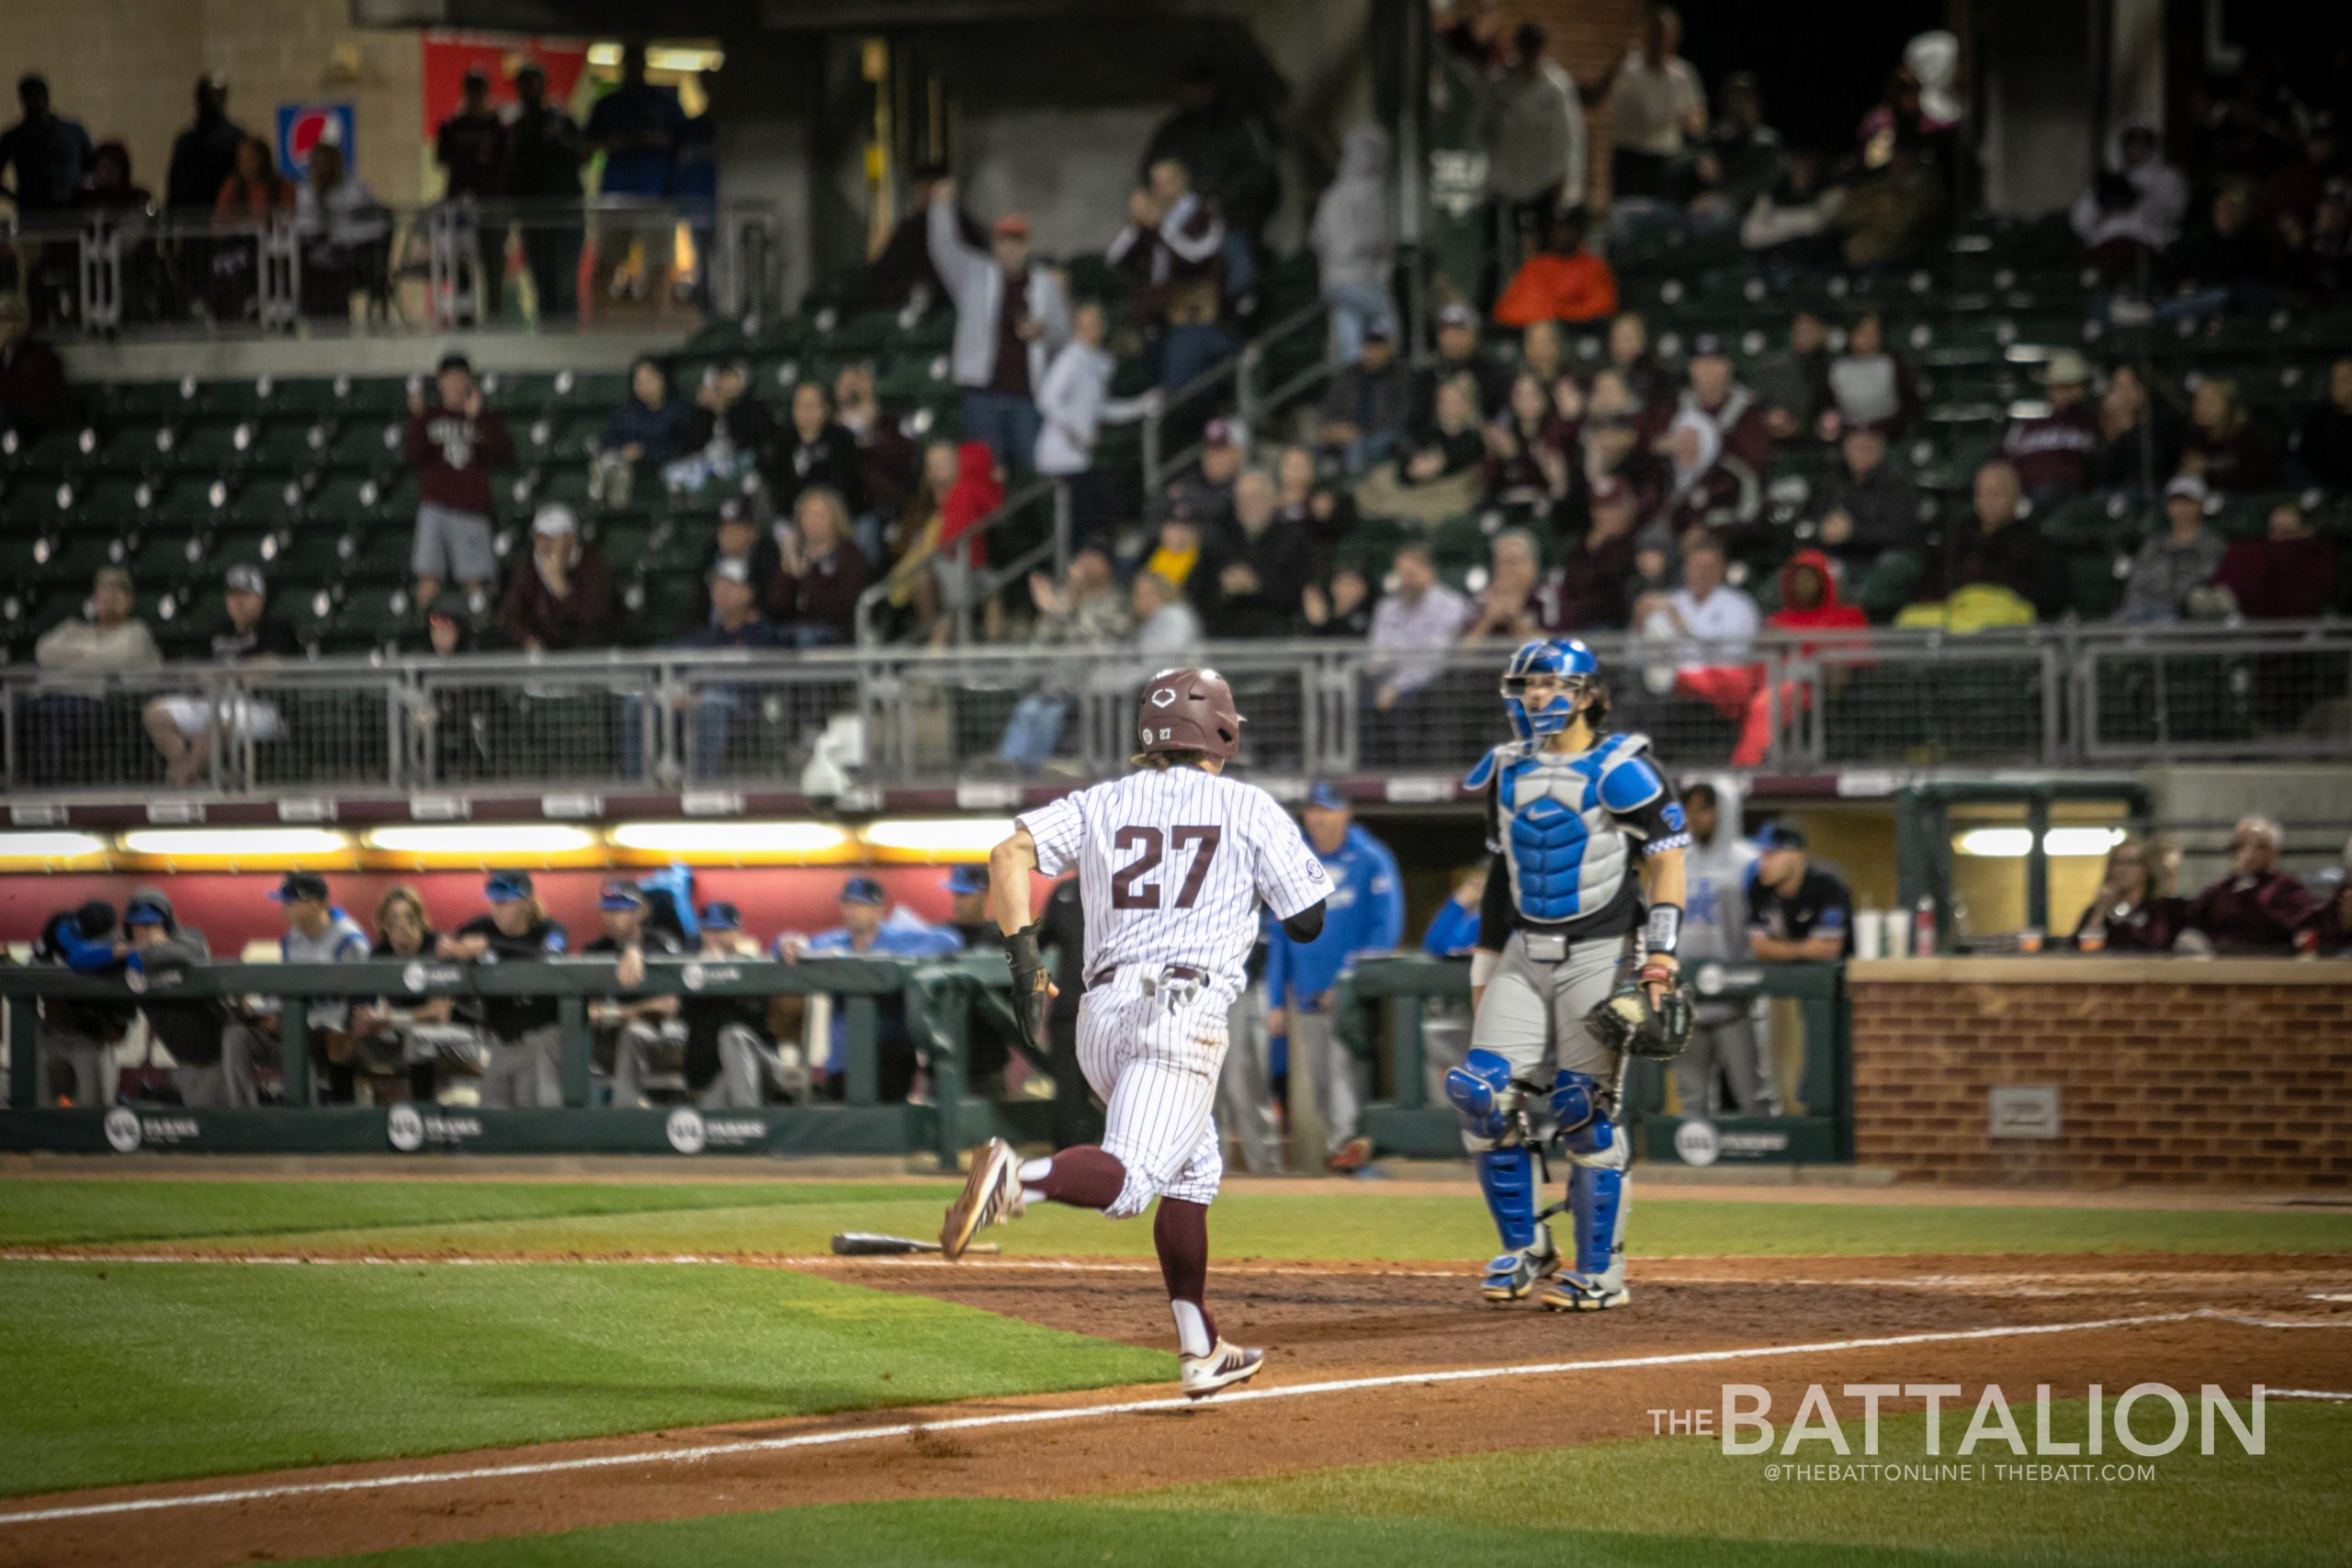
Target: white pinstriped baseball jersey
(1172,864)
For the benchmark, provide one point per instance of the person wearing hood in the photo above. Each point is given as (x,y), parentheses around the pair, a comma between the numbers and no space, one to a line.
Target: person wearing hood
(78,1037)
(1809,601)
(1563,282)
(521,1070)
(212,1058)
(2132,210)
(1708,487)
(1355,242)
(1723,1069)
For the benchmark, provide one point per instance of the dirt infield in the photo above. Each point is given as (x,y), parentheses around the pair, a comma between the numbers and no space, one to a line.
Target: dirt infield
(1369,1363)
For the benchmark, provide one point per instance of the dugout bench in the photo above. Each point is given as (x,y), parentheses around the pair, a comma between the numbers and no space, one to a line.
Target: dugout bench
(945,999)
(1382,1009)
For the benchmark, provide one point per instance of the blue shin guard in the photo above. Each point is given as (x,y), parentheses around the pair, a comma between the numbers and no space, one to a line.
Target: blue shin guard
(1595,1193)
(1507,1177)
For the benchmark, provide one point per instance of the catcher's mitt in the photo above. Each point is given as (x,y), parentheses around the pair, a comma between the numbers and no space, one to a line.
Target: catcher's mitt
(1629,1021)
(1032,986)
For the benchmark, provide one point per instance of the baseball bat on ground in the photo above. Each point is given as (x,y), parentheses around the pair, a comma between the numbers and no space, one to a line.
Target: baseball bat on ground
(869,1244)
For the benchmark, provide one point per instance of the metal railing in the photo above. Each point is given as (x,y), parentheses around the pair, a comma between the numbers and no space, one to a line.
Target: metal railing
(1905,701)
(131,271)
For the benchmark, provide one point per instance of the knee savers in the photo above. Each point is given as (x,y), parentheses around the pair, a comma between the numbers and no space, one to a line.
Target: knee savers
(1481,1090)
(1587,1134)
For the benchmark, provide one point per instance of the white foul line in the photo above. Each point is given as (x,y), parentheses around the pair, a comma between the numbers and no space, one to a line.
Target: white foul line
(2306,1394)
(1080,1412)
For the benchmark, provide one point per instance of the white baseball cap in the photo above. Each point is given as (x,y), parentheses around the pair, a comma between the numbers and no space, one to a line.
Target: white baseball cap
(555,519)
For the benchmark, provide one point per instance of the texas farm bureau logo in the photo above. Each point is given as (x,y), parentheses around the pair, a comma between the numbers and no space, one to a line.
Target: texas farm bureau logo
(687,1134)
(123,1130)
(1696,1142)
(1708,980)
(405,1128)
(412,977)
(408,1129)
(692,976)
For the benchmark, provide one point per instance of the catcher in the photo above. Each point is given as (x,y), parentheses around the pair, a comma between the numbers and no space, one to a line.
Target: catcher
(1574,970)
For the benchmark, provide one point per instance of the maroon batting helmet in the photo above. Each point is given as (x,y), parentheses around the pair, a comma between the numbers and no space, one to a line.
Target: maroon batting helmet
(1190,710)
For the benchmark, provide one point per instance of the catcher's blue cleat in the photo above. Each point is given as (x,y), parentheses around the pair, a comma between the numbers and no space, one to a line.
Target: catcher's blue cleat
(1514,1275)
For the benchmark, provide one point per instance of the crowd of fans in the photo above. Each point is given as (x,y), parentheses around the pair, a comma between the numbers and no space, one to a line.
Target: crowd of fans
(2255,908)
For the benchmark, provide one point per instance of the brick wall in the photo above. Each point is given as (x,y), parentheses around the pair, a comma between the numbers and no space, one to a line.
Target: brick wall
(2236,1073)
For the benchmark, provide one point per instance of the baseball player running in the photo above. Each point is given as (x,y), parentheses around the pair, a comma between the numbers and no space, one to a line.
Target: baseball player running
(1568,805)
(1173,860)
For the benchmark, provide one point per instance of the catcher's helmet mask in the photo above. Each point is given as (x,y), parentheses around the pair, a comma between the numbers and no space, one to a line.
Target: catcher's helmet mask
(1190,710)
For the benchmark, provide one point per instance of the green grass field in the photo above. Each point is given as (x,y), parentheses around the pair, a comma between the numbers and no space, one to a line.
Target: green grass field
(1668,1502)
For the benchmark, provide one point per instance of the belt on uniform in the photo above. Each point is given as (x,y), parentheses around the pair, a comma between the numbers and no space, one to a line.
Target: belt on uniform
(1151,982)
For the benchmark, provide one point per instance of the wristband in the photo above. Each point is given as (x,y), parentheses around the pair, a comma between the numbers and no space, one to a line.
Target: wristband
(1665,929)
(1483,965)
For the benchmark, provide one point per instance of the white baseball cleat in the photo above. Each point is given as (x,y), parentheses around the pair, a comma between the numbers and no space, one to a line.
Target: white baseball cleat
(991,1195)
(1223,1367)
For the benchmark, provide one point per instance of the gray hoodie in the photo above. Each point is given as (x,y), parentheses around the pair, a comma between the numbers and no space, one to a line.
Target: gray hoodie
(1714,908)
(1355,221)
(190,1028)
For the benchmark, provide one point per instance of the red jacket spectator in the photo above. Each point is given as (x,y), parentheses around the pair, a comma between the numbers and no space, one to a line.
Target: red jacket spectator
(976,492)
(453,452)
(1577,286)
(2287,576)
(1816,606)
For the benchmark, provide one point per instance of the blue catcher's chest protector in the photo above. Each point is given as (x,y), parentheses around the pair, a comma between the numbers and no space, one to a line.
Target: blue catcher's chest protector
(1568,856)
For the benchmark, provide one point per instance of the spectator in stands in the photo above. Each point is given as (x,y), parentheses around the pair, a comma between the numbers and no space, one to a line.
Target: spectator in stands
(451,448)
(1794,223)
(2333,927)
(1074,401)
(424,1033)
(1458,355)
(1255,566)
(345,234)
(734,622)
(1443,473)
(252,198)
(450,724)
(1412,626)
(109,188)
(959,490)
(1809,603)
(1530,123)
(814,451)
(1172,251)
(2323,447)
(2320,266)
(1740,160)
(1228,156)
(2134,910)
(1529,467)
(2137,441)
(2256,908)
(1712,625)
(1167,628)
(1176,551)
(814,600)
(740,539)
(649,430)
(213,1059)
(1301,497)
(1205,495)
(1563,282)
(32,377)
(900,273)
(111,642)
(183,726)
(643,1033)
(1355,242)
(1713,395)
(561,598)
(1648,381)
(870,925)
(2177,563)
(1893,214)
(1864,507)
(470,148)
(544,152)
(1793,385)
(1010,318)
(1867,385)
(1367,407)
(1587,593)
(1340,607)
(2291,198)
(1795,909)
(2224,445)
(49,153)
(1507,608)
(2133,211)
(636,127)
(2287,575)
(1085,610)
(205,154)
(2225,263)
(1609,440)
(519,1068)
(888,459)
(2052,451)
(729,423)
(1999,547)
(1707,485)
(1657,108)
(1541,355)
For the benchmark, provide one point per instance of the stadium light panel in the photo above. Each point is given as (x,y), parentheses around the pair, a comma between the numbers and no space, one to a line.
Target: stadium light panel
(234,841)
(50,846)
(485,839)
(730,838)
(938,835)
(2011,843)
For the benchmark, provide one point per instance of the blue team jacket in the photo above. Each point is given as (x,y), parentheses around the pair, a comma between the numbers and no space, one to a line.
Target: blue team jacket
(1364,912)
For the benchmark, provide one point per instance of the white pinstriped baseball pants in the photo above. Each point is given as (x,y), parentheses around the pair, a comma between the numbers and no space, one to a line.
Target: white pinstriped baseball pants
(1154,1060)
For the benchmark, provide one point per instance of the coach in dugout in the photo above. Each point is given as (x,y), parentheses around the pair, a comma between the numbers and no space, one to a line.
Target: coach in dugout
(1365,914)
(1795,909)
